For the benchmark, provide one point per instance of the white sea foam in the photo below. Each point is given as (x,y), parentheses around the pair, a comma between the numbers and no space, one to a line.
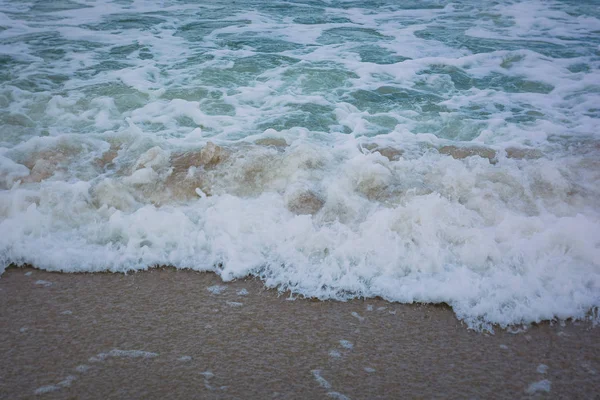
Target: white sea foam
(320,380)
(67,381)
(117,353)
(357,316)
(217,289)
(337,395)
(335,354)
(540,386)
(434,154)
(82,368)
(346,344)
(47,389)
(52,388)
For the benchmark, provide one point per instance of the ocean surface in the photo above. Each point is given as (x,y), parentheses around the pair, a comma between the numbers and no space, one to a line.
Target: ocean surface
(420,151)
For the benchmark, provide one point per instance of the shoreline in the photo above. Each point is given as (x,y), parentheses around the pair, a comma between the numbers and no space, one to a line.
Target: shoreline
(187,334)
(591,317)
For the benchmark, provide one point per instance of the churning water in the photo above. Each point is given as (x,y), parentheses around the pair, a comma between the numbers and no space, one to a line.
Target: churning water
(421,151)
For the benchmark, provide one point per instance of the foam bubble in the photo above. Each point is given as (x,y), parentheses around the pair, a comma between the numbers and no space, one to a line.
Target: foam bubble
(346,344)
(337,395)
(320,380)
(335,354)
(540,386)
(117,353)
(357,316)
(217,289)
(47,389)
(82,368)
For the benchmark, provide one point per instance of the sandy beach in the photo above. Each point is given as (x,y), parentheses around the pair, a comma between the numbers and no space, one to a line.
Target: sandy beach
(168,333)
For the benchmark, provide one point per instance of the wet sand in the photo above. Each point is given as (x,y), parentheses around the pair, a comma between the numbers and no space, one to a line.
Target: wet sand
(164,334)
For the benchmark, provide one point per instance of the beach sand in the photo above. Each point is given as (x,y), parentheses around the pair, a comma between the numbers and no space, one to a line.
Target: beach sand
(168,333)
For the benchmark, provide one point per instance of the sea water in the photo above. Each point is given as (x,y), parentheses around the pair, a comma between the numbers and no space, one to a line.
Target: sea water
(420,151)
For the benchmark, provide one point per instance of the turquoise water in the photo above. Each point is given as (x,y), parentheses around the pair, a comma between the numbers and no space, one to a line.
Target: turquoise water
(427,151)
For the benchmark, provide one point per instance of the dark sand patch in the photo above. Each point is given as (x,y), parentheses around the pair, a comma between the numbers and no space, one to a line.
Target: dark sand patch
(164,334)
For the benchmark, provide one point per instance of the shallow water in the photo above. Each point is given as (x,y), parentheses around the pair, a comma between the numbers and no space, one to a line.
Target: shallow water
(420,152)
